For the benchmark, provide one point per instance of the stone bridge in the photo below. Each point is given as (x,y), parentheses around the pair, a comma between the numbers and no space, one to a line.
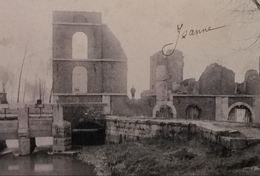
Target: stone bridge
(27,122)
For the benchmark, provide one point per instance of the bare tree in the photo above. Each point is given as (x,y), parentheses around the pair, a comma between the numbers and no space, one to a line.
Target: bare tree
(257,3)
(4,77)
(21,72)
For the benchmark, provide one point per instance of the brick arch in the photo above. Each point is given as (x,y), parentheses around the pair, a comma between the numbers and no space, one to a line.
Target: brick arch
(167,104)
(242,104)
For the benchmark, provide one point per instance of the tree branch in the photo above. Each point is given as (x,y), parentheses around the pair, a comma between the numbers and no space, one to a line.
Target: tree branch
(257,3)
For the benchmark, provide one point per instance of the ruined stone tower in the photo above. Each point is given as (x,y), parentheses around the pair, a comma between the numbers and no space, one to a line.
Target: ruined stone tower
(89,65)
(174,65)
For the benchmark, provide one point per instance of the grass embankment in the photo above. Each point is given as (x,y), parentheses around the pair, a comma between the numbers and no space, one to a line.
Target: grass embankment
(164,157)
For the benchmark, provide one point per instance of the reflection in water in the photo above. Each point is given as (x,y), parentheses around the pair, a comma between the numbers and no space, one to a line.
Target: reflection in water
(43,167)
(40,163)
(12,143)
(40,141)
(13,167)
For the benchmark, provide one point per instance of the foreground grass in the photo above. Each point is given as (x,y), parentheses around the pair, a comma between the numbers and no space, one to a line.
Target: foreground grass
(164,157)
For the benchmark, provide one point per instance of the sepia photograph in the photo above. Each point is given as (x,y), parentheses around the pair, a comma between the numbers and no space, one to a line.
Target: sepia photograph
(130,87)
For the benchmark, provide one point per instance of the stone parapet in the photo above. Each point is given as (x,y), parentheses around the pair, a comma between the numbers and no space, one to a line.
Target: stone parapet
(123,129)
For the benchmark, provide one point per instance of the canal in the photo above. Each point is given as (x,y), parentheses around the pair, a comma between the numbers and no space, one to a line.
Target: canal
(40,163)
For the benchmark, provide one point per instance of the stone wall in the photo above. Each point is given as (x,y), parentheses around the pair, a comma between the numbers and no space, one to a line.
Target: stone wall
(174,65)
(217,80)
(105,63)
(206,105)
(188,86)
(210,107)
(252,84)
(8,129)
(122,129)
(39,127)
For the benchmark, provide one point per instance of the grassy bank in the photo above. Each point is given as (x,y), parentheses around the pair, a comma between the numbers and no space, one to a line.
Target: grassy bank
(163,157)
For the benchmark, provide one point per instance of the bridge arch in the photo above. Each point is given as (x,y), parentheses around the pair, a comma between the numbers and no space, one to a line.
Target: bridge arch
(166,110)
(193,112)
(241,112)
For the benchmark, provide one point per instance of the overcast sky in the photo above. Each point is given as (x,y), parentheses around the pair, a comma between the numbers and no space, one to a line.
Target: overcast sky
(142,27)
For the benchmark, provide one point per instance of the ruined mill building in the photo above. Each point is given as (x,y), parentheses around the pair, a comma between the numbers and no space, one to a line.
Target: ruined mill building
(215,96)
(89,65)
(90,68)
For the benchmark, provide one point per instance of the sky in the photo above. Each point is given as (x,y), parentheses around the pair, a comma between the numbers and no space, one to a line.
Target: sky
(142,27)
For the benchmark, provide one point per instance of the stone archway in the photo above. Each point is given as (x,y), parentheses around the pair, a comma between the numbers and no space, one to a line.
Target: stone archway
(241,112)
(193,112)
(164,110)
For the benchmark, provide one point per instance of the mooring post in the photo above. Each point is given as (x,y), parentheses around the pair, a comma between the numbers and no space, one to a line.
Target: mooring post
(23,131)
(61,130)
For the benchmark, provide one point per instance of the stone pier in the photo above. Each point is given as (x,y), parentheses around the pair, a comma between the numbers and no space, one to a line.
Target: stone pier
(26,144)
(61,131)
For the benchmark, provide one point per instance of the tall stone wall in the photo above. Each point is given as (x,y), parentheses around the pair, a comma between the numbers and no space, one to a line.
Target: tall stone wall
(174,65)
(105,64)
(252,82)
(217,80)
(107,77)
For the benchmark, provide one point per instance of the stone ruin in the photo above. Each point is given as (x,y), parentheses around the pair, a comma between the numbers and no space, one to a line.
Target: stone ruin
(166,82)
(217,80)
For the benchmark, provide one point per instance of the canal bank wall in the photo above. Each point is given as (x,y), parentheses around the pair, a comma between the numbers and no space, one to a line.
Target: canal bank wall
(123,129)
(2,145)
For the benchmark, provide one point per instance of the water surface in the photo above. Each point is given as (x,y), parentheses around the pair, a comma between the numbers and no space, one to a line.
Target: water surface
(40,163)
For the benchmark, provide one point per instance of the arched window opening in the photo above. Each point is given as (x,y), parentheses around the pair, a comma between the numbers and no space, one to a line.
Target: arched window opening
(79,80)
(193,112)
(240,113)
(165,111)
(79,46)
